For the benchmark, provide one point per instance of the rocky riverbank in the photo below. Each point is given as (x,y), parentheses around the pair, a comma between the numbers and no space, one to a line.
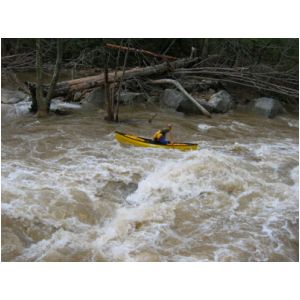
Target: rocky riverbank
(214,96)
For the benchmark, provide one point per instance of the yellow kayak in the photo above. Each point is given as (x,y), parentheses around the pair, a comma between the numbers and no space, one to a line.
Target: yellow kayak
(144,142)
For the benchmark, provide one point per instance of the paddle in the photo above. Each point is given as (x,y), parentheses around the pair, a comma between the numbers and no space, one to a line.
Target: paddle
(150,120)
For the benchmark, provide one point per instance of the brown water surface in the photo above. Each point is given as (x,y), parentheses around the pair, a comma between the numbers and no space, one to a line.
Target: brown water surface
(70,192)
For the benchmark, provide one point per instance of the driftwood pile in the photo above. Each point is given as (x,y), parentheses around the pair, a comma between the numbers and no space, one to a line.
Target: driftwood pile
(281,83)
(20,62)
(165,73)
(70,87)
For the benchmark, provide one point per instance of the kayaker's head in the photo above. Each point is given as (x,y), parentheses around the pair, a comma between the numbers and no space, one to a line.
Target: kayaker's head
(170,126)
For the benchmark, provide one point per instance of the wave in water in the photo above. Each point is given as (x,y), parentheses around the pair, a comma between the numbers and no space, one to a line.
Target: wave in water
(72,193)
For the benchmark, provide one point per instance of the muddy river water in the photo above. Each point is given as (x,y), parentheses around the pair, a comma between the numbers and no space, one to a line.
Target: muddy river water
(70,192)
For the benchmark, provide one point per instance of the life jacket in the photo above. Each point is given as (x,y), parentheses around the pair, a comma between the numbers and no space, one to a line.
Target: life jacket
(160,133)
(157,135)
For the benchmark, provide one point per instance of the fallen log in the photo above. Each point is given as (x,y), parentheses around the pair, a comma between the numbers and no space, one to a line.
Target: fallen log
(181,89)
(146,52)
(66,88)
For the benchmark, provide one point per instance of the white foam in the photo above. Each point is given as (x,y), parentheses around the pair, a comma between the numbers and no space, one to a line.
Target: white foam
(204,127)
(290,122)
(58,104)
(294,124)
(183,201)
(295,177)
(295,174)
(12,111)
(239,125)
(22,108)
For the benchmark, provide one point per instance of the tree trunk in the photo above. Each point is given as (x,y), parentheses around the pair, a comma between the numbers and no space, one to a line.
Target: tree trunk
(55,73)
(162,56)
(120,87)
(66,88)
(181,88)
(108,98)
(204,52)
(42,109)
(33,107)
(115,78)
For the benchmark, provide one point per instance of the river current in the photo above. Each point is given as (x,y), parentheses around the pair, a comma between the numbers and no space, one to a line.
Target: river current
(70,192)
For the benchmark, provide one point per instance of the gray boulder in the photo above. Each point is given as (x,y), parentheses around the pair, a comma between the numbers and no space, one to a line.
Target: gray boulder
(268,107)
(221,102)
(171,98)
(174,99)
(153,99)
(12,97)
(95,98)
(188,107)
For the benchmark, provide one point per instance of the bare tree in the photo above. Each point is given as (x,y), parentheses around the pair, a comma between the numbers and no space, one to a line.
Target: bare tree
(43,103)
(120,86)
(55,72)
(42,107)
(108,98)
(204,51)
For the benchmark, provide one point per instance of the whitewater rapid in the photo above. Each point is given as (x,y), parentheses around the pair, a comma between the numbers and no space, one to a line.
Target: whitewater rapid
(70,192)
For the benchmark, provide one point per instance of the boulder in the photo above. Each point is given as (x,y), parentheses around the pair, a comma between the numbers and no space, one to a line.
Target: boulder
(188,107)
(171,98)
(268,107)
(12,97)
(221,102)
(153,99)
(131,97)
(95,98)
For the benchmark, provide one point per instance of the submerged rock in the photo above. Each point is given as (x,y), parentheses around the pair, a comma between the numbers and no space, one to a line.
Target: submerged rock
(268,107)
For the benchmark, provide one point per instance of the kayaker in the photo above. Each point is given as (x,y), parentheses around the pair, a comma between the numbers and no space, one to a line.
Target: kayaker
(160,135)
